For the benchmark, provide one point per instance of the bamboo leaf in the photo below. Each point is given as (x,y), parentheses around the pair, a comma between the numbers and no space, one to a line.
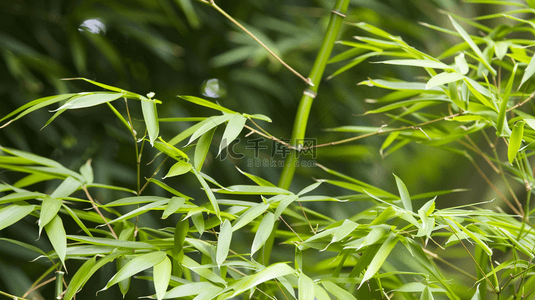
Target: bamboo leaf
(150,115)
(111,242)
(505,99)
(249,215)
(252,190)
(49,209)
(13,213)
(90,100)
(170,150)
(379,258)
(515,141)
(202,271)
(81,276)
(209,193)
(207,125)
(443,78)
(202,148)
(161,277)
(258,180)
(139,211)
(337,291)
(460,61)
(416,63)
(264,231)
(404,194)
(206,103)
(223,243)
(306,287)
(179,168)
(473,45)
(528,73)
(269,273)
(174,204)
(57,236)
(309,188)
(136,265)
(234,127)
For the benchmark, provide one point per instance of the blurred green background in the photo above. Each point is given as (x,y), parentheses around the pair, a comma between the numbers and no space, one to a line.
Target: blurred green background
(184,47)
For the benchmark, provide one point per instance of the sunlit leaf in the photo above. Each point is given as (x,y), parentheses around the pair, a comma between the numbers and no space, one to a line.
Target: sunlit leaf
(13,213)
(515,141)
(179,168)
(223,243)
(264,231)
(150,115)
(57,236)
(202,148)
(404,194)
(234,127)
(136,265)
(162,275)
(306,287)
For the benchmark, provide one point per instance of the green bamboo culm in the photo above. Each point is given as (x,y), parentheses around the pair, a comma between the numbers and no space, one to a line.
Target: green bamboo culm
(301,118)
(59,284)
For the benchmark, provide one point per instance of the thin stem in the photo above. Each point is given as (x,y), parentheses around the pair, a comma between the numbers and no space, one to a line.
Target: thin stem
(95,207)
(493,186)
(152,176)
(12,296)
(475,261)
(38,286)
(282,219)
(138,157)
(301,119)
(221,11)
(482,154)
(435,256)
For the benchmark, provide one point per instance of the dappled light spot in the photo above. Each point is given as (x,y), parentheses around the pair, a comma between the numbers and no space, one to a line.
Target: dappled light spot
(94,26)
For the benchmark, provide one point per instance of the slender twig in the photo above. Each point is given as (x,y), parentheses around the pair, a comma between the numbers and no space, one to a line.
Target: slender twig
(95,207)
(482,154)
(291,228)
(475,261)
(38,286)
(435,256)
(493,186)
(152,176)
(12,296)
(231,19)
(138,155)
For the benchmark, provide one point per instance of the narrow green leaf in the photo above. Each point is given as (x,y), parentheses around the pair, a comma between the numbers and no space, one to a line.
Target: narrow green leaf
(111,242)
(379,258)
(253,190)
(234,127)
(443,78)
(174,204)
(416,63)
(223,243)
(170,150)
(249,215)
(515,141)
(57,236)
(49,209)
(198,222)
(206,103)
(344,230)
(77,219)
(81,276)
(208,124)
(161,277)
(258,117)
(202,148)
(24,245)
(134,200)
(460,61)
(87,172)
(284,204)
(139,211)
(209,193)
(150,115)
(320,293)
(306,287)
(188,289)
(264,231)
(404,194)
(102,85)
(473,45)
(309,188)
(530,70)
(202,271)
(505,99)
(90,100)
(35,105)
(124,285)
(13,213)
(136,265)
(273,271)
(179,168)
(337,291)
(181,232)
(258,180)
(426,294)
